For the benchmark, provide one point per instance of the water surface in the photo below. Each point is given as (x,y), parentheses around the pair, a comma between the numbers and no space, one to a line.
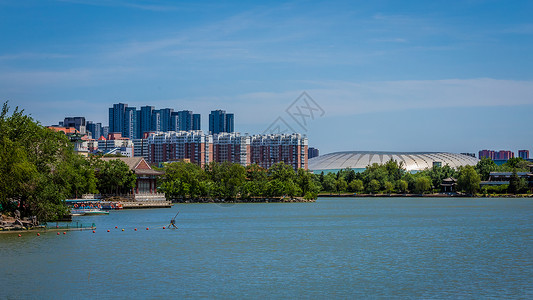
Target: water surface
(335,248)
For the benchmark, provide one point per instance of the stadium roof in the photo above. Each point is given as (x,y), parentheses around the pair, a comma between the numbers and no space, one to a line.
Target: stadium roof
(412,161)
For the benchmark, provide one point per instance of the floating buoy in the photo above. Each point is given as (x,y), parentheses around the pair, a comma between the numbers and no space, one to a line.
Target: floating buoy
(146,228)
(64,232)
(163,227)
(38,234)
(58,233)
(122,229)
(135,229)
(94,231)
(108,230)
(116,227)
(20,235)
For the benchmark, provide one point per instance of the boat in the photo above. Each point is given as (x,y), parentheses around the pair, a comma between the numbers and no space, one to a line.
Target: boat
(88,212)
(95,211)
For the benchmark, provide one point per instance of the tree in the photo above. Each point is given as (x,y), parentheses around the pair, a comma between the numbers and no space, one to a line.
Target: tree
(356,186)
(389,187)
(484,167)
(115,177)
(307,183)
(402,185)
(468,180)
(422,184)
(340,185)
(31,157)
(329,183)
(373,186)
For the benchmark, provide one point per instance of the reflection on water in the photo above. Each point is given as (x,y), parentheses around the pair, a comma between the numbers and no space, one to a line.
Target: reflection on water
(418,248)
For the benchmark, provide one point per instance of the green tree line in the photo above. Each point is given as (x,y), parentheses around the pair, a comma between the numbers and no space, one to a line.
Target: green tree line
(392,177)
(226,181)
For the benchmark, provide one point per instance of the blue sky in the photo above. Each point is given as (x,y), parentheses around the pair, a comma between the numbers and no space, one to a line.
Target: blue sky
(389,75)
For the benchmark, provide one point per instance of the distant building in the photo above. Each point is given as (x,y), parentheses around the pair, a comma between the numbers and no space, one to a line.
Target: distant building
(155,122)
(312,152)
(504,178)
(145,120)
(130,128)
(269,149)
(201,149)
(140,148)
(220,121)
(523,154)
(187,121)
(117,117)
(231,147)
(115,144)
(496,155)
(75,122)
(95,129)
(487,154)
(504,154)
(181,145)
(165,118)
(105,132)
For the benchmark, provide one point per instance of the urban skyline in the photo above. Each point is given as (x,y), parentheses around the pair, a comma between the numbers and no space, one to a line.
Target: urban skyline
(389,75)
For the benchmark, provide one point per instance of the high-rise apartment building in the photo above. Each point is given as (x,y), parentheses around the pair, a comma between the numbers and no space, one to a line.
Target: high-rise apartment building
(268,149)
(145,120)
(504,154)
(76,122)
(496,155)
(165,118)
(312,152)
(231,147)
(156,121)
(196,122)
(130,129)
(524,154)
(194,146)
(95,129)
(487,153)
(187,121)
(133,123)
(199,148)
(220,121)
(117,116)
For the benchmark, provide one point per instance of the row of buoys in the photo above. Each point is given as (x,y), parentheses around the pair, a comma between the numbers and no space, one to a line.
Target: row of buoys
(94,231)
(116,227)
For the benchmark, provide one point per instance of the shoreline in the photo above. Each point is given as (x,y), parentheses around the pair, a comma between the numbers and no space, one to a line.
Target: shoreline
(420,196)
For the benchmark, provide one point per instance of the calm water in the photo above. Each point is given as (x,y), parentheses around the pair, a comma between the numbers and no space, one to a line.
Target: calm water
(334,248)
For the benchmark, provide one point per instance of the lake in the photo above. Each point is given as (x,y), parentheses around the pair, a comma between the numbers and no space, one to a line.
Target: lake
(334,248)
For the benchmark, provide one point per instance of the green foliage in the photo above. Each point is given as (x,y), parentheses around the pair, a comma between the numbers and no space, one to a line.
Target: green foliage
(484,167)
(389,187)
(422,184)
(356,186)
(402,186)
(498,189)
(468,180)
(34,163)
(329,182)
(516,164)
(374,186)
(340,185)
(114,177)
(232,181)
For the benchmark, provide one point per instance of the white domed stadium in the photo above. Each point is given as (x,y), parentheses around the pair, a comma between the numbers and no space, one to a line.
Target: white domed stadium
(412,161)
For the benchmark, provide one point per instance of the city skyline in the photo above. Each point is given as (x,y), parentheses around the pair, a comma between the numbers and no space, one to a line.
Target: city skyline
(416,76)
